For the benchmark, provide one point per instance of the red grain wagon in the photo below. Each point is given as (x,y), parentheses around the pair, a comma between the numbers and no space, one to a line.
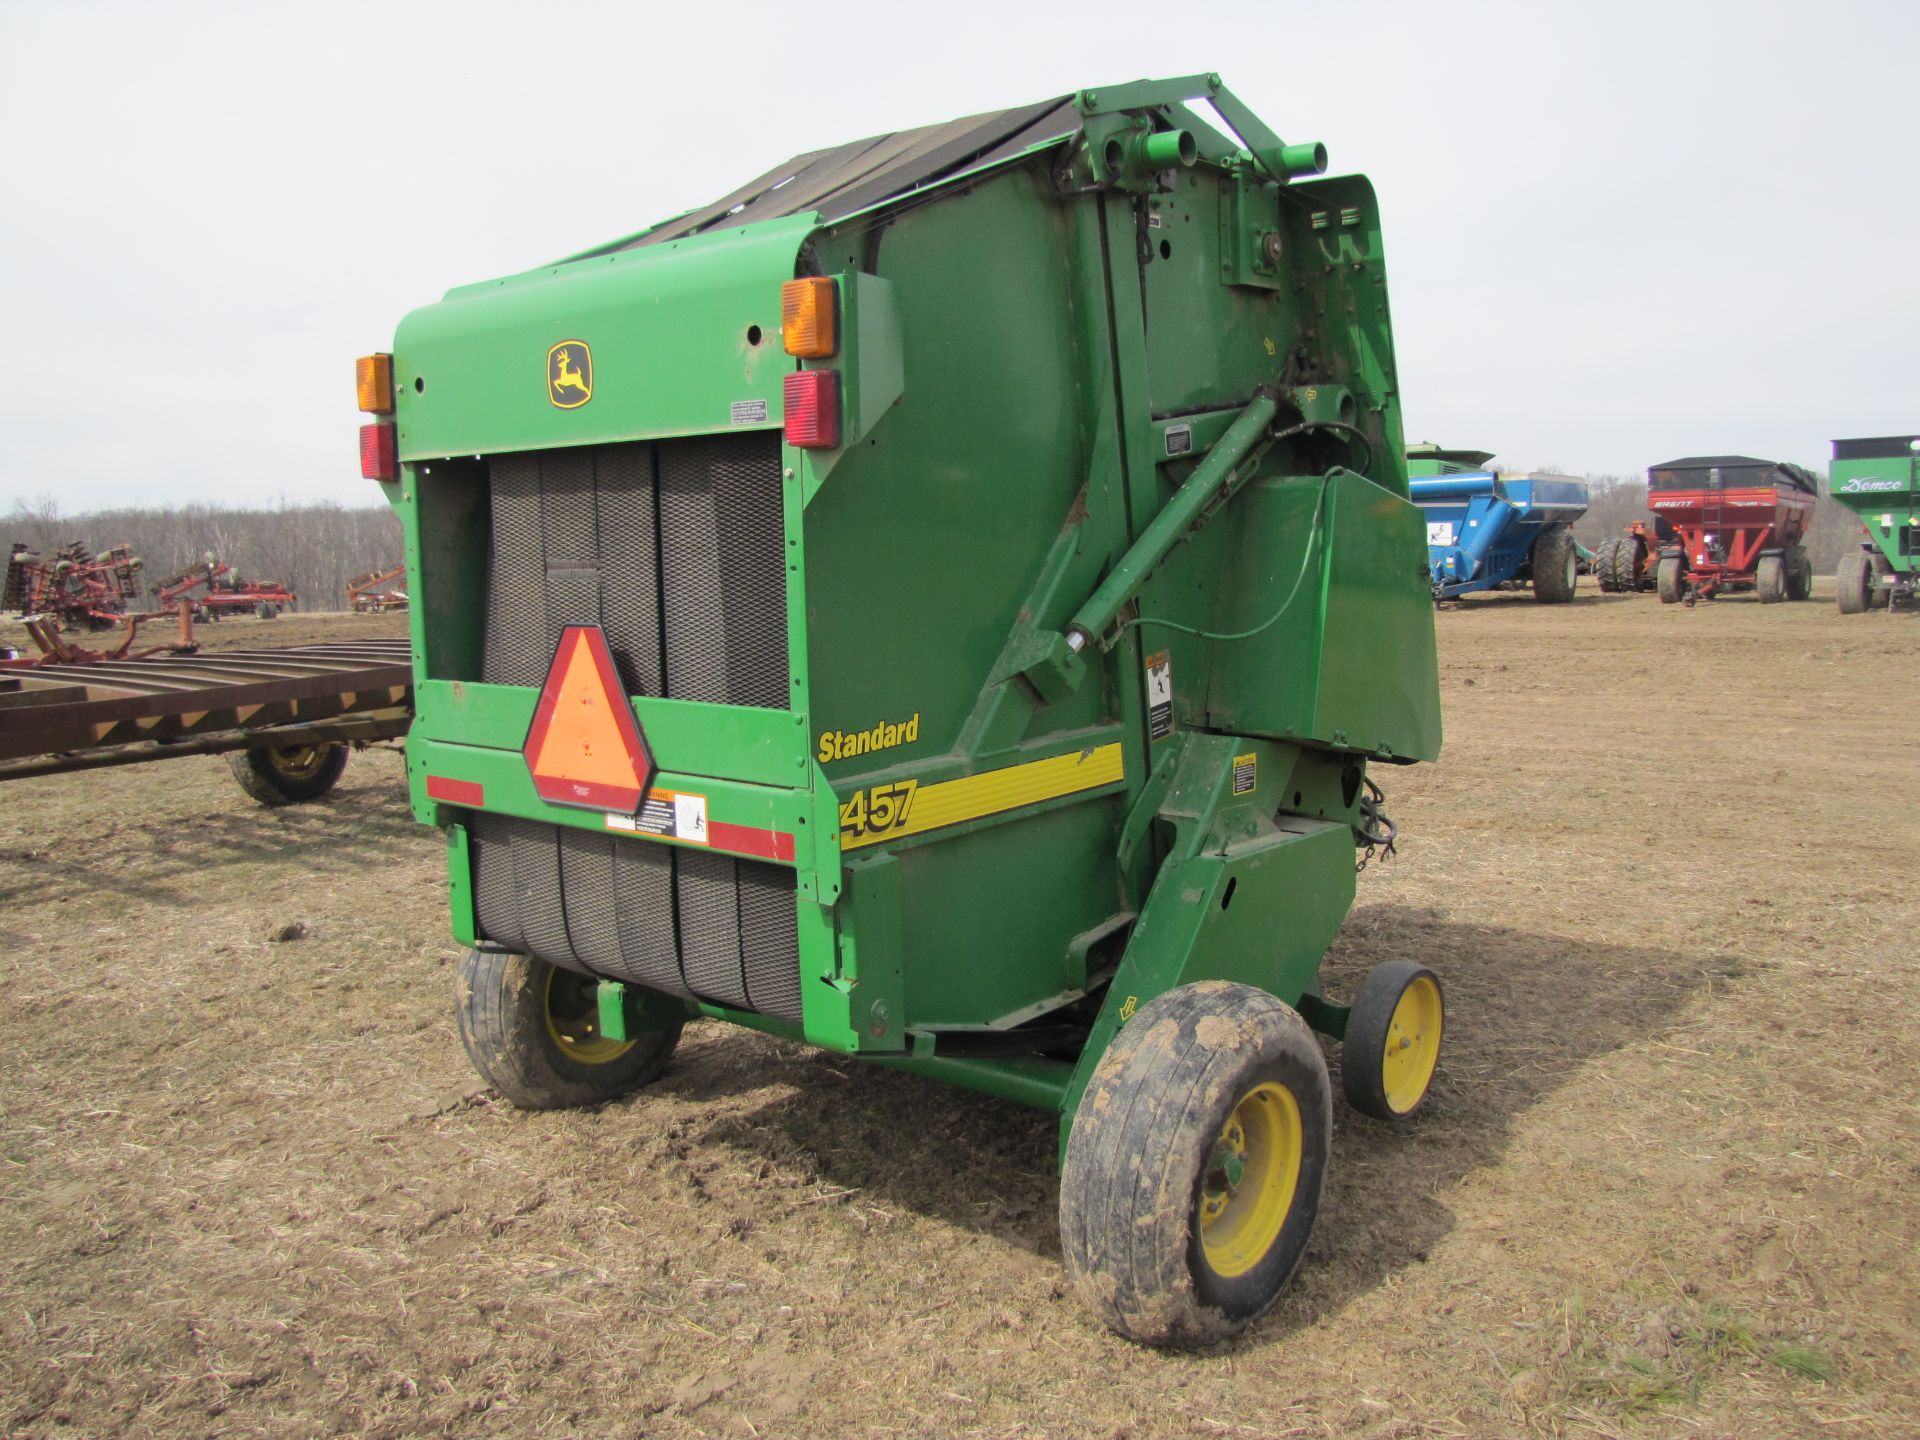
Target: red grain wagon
(1737,525)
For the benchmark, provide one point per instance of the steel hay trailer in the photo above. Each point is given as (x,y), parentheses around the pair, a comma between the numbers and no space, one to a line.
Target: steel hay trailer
(943,602)
(1737,523)
(1878,478)
(285,718)
(1486,530)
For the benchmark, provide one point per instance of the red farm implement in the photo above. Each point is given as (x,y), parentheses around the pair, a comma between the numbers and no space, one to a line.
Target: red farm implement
(376,591)
(1629,561)
(215,589)
(74,586)
(1737,524)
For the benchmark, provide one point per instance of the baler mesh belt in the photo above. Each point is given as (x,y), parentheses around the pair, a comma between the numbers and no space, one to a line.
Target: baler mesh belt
(677,549)
(680,921)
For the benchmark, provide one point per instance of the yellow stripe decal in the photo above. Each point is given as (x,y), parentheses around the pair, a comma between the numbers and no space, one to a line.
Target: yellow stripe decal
(904,807)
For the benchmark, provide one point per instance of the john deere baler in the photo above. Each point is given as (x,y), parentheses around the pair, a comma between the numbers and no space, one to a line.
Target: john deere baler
(942,602)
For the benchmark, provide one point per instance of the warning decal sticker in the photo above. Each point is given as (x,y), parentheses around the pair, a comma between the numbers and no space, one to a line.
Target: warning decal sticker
(1159,695)
(667,815)
(1246,769)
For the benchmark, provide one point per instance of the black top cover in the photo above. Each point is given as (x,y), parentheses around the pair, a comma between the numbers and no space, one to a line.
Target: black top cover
(1737,472)
(848,178)
(1876,447)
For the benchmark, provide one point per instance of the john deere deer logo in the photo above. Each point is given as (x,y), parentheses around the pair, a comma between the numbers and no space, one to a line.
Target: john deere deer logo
(570,374)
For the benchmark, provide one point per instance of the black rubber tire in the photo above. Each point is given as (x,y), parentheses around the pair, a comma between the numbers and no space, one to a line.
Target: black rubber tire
(1880,591)
(289,776)
(1799,574)
(1620,564)
(1853,581)
(1143,1141)
(1372,1036)
(502,1002)
(1605,555)
(1770,579)
(1556,564)
(1671,585)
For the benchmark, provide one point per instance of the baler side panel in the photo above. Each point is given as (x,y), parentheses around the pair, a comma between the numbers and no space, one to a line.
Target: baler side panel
(922,545)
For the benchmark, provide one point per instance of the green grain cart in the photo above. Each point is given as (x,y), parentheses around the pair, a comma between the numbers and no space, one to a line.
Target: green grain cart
(1878,478)
(940,602)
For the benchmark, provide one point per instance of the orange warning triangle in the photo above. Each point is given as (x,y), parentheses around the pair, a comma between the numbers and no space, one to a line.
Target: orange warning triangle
(584,747)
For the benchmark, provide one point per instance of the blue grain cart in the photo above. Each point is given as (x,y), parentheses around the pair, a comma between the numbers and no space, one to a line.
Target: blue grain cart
(1485,529)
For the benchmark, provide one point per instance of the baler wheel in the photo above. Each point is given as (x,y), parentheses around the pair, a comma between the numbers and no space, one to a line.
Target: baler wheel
(1671,585)
(1392,1045)
(532,1030)
(1853,582)
(1770,579)
(1556,561)
(290,775)
(1194,1168)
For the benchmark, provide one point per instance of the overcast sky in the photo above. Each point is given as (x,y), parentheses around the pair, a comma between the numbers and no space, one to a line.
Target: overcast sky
(1616,233)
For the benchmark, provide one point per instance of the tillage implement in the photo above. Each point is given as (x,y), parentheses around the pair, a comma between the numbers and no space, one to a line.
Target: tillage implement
(941,602)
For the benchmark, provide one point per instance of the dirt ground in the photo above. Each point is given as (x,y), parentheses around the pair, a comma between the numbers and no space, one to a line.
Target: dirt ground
(1669,1183)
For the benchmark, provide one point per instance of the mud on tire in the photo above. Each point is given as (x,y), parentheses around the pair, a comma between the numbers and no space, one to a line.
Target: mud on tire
(1172,1234)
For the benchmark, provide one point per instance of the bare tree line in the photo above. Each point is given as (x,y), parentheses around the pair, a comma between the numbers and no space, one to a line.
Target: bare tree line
(316,549)
(313,549)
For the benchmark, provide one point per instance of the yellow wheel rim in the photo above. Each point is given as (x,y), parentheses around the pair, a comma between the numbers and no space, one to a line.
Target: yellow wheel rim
(299,762)
(573,1020)
(1413,1045)
(1252,1172)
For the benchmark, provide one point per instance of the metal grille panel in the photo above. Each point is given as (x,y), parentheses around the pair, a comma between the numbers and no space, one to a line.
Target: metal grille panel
(723,565)
(677,549)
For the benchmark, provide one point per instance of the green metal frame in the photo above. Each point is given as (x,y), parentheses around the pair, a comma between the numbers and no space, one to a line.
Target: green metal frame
(1059,373)
(1884,492)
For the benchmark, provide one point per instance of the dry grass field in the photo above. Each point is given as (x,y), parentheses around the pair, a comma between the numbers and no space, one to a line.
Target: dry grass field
(1669,1183)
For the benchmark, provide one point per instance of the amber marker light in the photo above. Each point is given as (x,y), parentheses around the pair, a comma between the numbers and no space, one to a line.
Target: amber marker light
(806,317)
(373,378)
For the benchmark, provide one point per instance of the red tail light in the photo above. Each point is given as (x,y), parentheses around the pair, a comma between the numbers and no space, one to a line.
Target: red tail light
(379,455)
(813,409)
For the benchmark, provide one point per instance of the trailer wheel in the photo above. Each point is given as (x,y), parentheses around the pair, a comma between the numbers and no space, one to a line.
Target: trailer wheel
(1194,1168)
(532,1030)
(289,775)
(1393,1040)
(1853,582)
(1620,564)
(1670,584)
(1799,574)
(1770,579)
(1604,557)
(1556,563)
